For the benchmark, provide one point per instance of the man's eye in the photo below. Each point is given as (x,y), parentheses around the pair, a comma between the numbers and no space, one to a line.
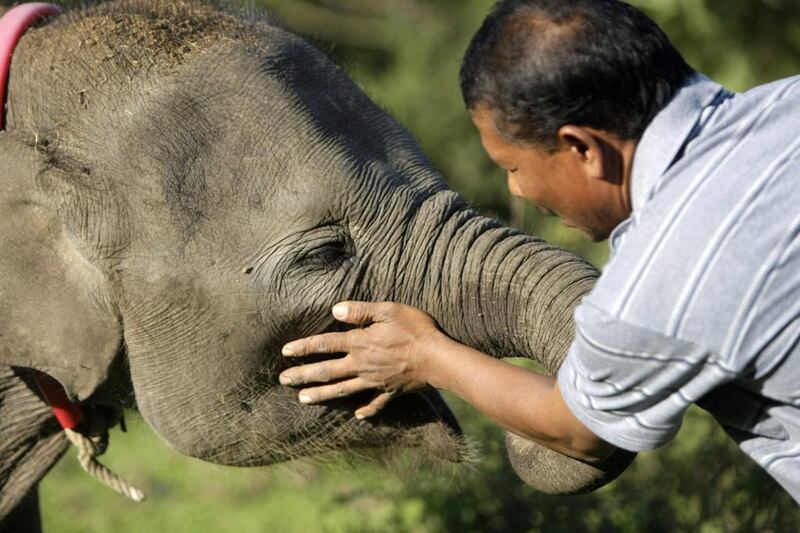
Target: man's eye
(512,170)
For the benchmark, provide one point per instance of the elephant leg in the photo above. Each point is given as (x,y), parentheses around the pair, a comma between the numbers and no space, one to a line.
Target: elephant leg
(25,517)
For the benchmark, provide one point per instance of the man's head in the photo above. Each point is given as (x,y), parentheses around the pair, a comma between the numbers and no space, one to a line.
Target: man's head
(561,91)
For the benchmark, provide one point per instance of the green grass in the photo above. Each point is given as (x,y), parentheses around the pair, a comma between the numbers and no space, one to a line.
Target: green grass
(699,482)
(187,495)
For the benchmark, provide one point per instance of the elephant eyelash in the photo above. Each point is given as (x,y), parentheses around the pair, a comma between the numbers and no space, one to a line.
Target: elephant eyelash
(328,255)
(326,247)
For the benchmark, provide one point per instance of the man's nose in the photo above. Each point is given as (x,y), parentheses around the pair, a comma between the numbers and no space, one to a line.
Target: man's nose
(513,186)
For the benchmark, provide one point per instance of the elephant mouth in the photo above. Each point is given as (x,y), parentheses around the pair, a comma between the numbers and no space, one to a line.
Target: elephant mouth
(420,421)
(416,420)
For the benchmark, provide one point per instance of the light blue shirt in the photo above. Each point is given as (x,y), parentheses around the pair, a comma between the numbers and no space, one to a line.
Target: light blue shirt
(700,301)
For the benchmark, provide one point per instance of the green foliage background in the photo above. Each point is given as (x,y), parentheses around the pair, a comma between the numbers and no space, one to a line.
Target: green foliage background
(406,54)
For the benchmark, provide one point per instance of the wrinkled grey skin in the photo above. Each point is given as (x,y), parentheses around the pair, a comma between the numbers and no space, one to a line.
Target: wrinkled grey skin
(183,192)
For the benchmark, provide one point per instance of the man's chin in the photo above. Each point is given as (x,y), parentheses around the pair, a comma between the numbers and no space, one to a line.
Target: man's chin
(591,234)
(596,237)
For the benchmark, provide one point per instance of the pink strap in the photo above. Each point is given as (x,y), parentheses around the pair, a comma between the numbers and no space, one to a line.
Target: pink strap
(12,25)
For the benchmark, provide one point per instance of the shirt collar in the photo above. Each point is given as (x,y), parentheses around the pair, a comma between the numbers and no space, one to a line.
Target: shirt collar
(668,133)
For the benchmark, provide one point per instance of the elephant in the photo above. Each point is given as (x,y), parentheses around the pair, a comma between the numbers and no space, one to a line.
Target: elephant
(185,188)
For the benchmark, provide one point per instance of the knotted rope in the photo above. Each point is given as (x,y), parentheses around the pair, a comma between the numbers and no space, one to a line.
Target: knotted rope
(86,426)
(89,448)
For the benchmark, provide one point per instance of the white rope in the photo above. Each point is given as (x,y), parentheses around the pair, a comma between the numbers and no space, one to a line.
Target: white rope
(89,448)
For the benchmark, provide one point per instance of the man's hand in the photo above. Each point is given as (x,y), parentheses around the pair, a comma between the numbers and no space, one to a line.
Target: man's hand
(389,355)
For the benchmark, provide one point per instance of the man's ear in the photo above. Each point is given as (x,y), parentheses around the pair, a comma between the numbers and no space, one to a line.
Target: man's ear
(586,148)
(56,310)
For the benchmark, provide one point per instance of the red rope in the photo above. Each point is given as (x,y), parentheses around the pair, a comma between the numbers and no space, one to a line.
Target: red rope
(67,412)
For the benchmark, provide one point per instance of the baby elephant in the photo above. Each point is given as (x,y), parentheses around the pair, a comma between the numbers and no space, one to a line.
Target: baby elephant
(184,190)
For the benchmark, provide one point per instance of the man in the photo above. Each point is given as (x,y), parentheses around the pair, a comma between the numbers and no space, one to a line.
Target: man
(597,118)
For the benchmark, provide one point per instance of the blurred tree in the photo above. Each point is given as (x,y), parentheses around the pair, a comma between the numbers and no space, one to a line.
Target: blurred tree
(738,43)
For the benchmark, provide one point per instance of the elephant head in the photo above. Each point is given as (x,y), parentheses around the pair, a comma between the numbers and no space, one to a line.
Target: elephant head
(185,190)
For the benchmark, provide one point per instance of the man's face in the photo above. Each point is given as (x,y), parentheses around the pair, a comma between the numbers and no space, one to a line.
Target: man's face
(556,183)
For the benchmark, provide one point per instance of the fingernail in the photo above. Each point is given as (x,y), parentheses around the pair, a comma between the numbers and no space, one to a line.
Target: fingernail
(285,380)
(304,398)
(288,350)
(360,416)
(340,311)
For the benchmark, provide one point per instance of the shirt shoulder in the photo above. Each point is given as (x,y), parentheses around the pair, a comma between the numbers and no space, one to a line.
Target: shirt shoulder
(720,233)
(631,385)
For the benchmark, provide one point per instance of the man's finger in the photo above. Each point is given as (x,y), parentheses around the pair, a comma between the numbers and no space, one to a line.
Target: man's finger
(375,405)
(363,312)
(321,372)
(331,392)
(324,343)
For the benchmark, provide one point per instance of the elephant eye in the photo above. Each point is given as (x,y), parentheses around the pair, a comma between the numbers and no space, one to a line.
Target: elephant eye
(326,247)
(328,255)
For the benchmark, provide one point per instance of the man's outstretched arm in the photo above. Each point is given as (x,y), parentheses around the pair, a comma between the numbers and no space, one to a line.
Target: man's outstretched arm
(402,349)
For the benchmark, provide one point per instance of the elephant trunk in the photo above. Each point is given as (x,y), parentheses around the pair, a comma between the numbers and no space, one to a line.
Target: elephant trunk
(493,288)
(509,295)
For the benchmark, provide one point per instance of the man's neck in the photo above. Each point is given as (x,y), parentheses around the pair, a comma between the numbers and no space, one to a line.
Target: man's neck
(627,150)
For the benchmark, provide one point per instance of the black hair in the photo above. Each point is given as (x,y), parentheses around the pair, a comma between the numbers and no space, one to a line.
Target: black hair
(540,64)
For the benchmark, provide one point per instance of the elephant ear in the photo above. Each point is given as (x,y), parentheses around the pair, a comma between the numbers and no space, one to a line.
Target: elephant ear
(56,310)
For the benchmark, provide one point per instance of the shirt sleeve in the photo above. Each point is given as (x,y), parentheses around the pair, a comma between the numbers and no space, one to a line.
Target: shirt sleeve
(630,385)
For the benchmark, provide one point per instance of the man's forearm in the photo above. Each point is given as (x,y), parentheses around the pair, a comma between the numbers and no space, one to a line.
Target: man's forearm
(522,401)
(403,350)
